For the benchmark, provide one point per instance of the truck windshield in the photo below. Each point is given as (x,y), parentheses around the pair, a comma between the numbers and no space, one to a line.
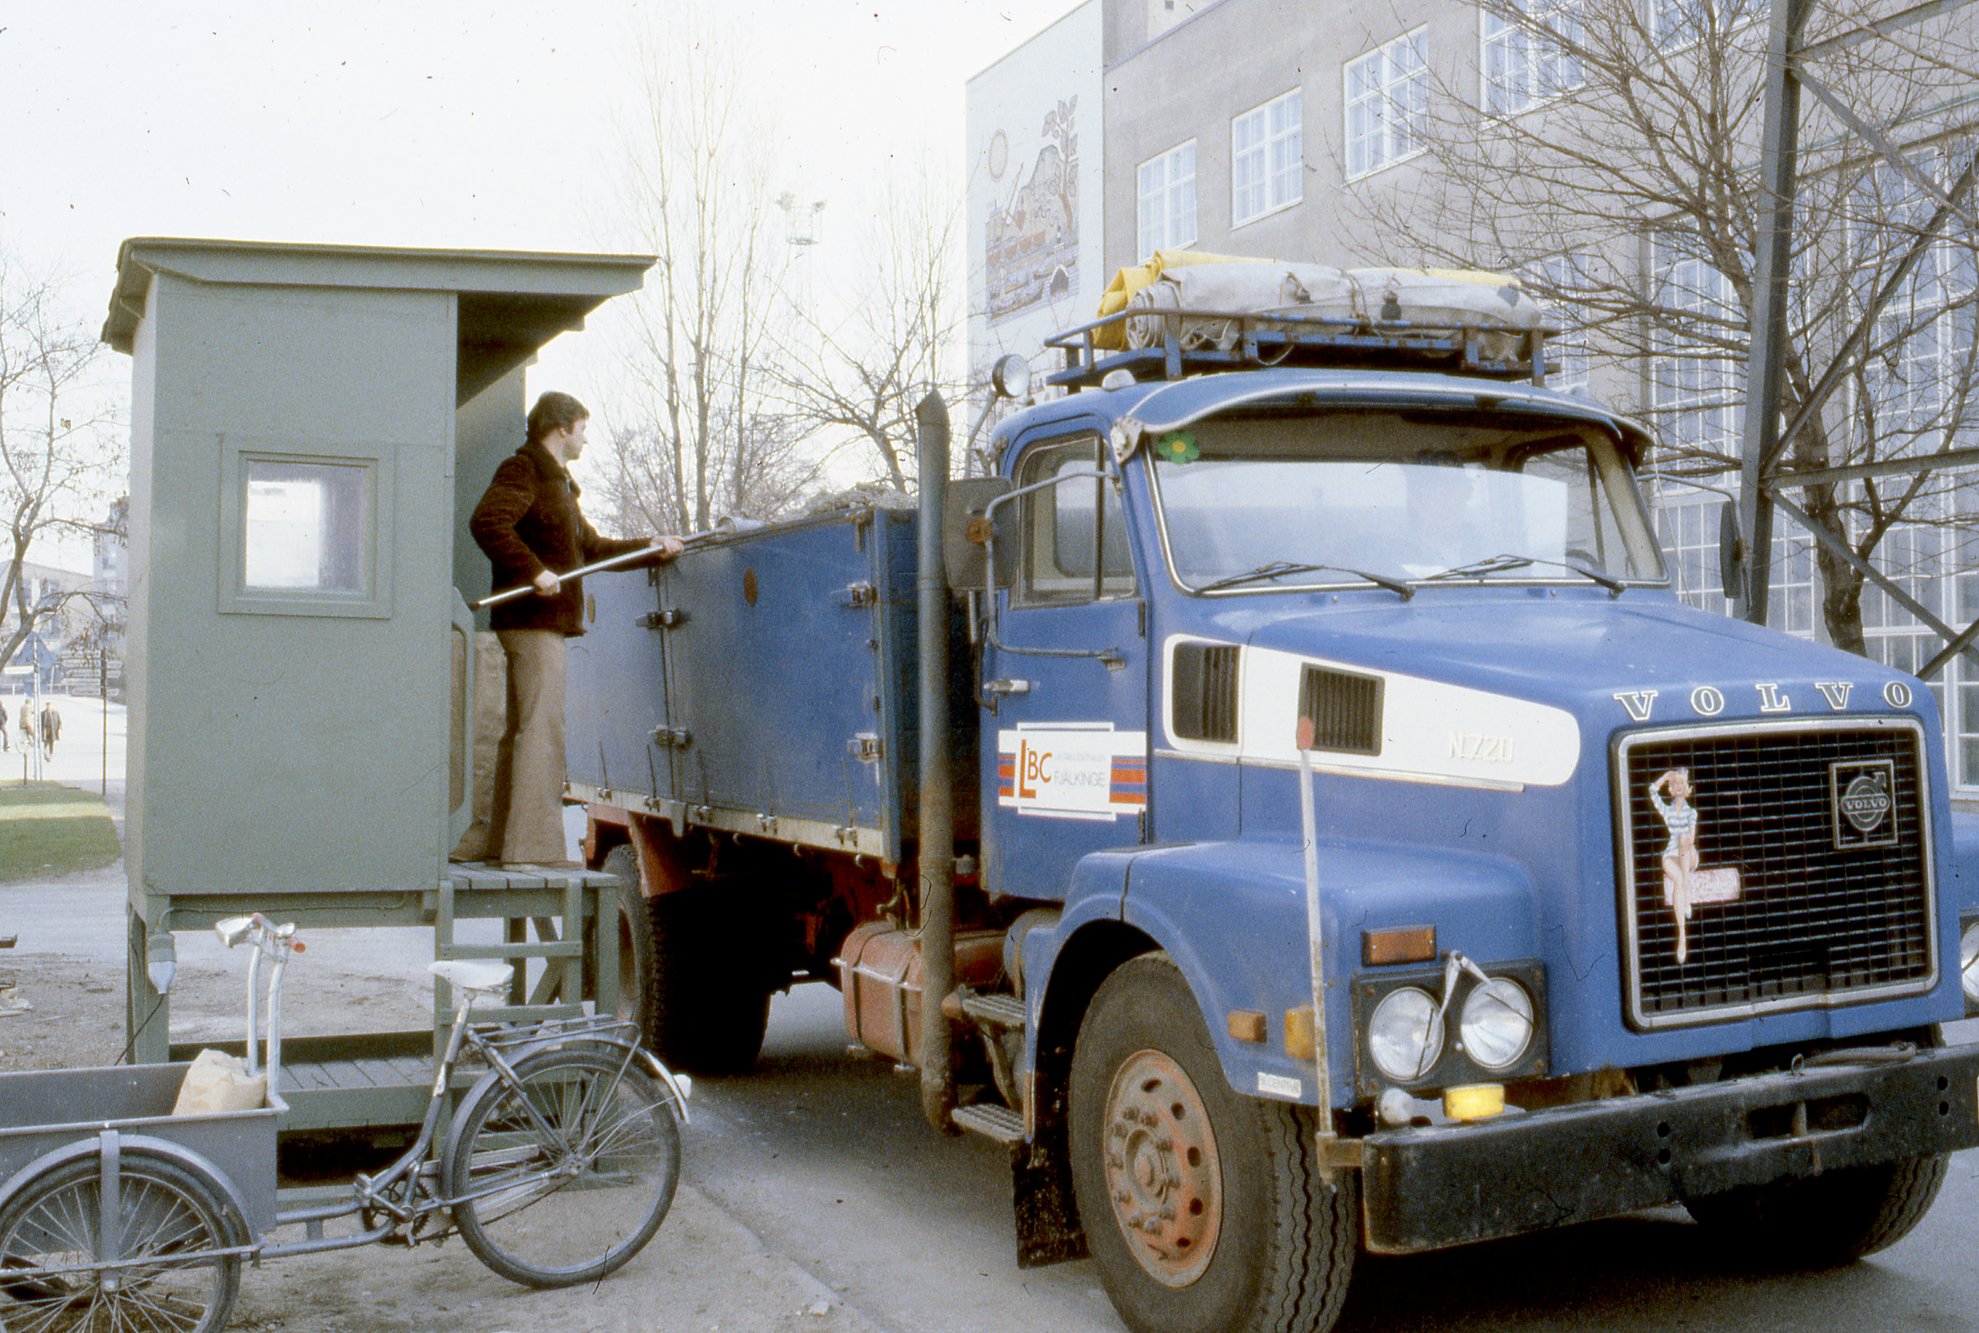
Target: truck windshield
(1267,503)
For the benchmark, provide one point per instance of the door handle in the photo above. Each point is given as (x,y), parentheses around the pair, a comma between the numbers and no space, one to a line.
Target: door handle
(1001,688)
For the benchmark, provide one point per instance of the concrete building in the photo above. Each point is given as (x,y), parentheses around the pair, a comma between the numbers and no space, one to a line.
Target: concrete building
(1035,191)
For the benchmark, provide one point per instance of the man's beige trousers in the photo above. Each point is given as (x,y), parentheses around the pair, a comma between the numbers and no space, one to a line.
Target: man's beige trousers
(525,818)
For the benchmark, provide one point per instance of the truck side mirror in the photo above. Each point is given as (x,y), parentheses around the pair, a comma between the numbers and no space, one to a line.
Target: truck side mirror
(1731,552)
(964,528)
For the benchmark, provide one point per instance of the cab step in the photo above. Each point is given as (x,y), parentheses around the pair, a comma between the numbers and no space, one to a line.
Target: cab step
(993,1011)
(995,1122)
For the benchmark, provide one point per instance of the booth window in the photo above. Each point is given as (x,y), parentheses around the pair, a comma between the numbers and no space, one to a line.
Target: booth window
(302,535)
(1075,542)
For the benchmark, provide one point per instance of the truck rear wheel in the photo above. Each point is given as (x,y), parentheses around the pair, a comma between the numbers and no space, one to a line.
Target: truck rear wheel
(1204,1209)
(636,997)
(686,974)
(710,1007)
(1825,1220)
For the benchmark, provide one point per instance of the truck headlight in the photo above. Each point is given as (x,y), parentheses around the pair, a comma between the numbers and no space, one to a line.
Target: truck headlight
(1968,964)
(1405,1034)
(1497,1024)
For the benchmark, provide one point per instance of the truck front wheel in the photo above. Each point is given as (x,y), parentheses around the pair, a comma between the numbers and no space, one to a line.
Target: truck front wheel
(1205,1210)
(1820,1221)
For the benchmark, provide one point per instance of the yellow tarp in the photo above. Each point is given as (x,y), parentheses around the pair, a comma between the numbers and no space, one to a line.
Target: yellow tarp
(1127,281)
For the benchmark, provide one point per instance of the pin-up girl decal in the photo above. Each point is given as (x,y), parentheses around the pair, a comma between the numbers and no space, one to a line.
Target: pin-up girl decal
(1685,883)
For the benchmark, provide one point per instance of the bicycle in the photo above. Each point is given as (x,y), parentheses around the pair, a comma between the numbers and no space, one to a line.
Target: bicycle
(130,1221)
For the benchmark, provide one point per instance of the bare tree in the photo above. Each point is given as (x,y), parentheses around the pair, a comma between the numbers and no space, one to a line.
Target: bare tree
(58,455)
(854,380)
(700,439)
(1614,168)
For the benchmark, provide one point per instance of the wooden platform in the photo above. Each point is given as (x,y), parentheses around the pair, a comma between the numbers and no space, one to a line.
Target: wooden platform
(382,1079)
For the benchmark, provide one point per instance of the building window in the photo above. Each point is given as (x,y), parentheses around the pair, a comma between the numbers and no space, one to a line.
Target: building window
(1168,200)
(1674,24)
(1387,103)
(1916,394)
(1558,278)
(1530,59)
(1267,160)
(1687,527)
(1695,388)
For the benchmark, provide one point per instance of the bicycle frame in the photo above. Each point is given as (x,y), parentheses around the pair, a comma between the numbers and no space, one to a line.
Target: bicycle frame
(405,1195)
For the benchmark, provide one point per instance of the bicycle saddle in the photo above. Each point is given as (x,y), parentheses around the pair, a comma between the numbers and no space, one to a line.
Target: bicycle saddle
(472,974)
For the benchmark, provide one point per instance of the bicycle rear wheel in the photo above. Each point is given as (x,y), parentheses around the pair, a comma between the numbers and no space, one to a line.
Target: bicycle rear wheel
(549,1210)
(170,1278)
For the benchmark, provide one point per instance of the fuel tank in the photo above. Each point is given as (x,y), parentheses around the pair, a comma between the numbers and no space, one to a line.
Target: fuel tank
(879,973)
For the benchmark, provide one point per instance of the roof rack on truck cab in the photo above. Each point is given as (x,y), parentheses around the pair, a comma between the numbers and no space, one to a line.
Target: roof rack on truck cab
(1178,342)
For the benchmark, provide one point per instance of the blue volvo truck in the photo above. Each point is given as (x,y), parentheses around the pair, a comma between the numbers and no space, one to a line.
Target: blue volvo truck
(1287,804)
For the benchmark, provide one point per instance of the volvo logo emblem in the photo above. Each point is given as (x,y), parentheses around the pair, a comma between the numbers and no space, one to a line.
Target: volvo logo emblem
(1863,796)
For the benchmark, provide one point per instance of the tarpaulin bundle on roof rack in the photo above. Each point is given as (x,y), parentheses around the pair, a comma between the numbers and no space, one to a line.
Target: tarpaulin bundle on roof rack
(1216,289)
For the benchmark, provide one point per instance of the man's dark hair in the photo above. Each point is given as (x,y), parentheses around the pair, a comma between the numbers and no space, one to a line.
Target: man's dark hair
(555,411)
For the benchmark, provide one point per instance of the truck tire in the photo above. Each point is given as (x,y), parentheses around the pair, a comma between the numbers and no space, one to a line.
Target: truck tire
(637,994)
(1825,1220)
(1204,1209)
(710,1007)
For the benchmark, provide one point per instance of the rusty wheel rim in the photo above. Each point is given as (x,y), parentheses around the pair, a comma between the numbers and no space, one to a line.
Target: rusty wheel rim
(1162,1171)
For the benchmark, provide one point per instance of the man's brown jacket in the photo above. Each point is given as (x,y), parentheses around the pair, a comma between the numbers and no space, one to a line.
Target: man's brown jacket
(527,522)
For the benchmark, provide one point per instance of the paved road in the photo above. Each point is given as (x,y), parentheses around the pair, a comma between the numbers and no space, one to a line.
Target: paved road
(824,1156)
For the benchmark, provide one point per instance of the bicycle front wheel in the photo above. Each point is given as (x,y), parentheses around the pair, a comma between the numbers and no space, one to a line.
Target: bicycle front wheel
(169,1272)
(571,1192)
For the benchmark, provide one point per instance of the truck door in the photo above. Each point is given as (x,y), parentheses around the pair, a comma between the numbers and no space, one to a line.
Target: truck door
(1064,736)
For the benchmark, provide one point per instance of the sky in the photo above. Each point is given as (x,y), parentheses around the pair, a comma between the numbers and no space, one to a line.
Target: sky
(490,124)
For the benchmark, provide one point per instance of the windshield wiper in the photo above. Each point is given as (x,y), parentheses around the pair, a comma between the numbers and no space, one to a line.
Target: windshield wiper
(1507,560)
(1280,568)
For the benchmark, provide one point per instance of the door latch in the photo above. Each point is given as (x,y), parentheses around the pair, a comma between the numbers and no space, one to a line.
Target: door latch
(665,618)
(671,738)
(1000,688)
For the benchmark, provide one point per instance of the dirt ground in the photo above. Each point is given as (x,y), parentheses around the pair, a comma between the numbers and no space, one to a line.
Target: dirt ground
(703,1271)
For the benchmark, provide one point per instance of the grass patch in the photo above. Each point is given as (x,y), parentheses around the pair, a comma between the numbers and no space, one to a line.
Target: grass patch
(47,829)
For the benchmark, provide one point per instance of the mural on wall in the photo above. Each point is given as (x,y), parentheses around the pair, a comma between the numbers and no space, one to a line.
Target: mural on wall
(1032,233)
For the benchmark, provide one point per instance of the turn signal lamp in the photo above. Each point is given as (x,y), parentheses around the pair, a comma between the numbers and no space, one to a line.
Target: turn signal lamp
(1299,1042)
(1474,1101)
(1398,944)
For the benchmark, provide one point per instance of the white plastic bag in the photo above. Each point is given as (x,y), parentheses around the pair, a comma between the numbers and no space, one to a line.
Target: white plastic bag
(220,1082)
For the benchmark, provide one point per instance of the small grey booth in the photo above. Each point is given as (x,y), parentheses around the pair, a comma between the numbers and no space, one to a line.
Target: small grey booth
(310,426)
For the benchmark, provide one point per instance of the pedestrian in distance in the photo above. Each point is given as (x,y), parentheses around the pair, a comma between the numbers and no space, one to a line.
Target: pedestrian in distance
(27,725)
(530,527)
(51,729)
(5,742)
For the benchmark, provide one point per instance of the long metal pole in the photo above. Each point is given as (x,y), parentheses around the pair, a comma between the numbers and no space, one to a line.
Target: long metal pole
(1777,159)
(936,834)
(1315,942)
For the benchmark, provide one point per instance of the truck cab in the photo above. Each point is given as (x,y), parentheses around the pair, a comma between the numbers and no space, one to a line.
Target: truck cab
(1371,852)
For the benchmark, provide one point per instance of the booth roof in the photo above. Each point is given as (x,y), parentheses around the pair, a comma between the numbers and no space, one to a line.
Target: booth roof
(512,302)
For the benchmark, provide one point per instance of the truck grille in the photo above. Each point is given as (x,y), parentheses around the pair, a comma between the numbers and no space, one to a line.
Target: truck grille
(1813,878)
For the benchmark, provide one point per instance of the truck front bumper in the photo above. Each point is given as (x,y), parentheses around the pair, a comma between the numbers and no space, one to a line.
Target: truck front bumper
(1424,1189)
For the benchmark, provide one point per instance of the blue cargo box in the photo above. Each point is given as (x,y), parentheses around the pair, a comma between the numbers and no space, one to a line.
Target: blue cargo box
(764,684)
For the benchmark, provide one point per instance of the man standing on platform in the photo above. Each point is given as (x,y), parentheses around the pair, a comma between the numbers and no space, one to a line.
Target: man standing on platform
(529,525)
